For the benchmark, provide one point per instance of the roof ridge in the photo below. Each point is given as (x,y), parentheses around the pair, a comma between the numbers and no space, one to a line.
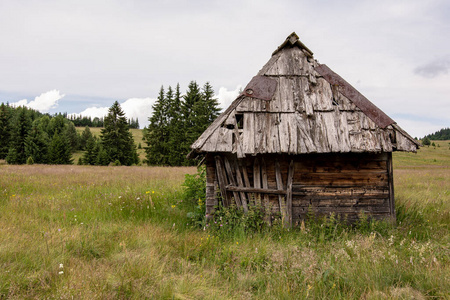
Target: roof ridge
(291,41)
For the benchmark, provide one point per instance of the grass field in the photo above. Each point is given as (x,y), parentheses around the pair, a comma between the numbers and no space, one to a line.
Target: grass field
(88,232)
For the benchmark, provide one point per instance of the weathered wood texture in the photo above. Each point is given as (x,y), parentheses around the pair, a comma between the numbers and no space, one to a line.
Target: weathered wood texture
(293,186)
(306,114)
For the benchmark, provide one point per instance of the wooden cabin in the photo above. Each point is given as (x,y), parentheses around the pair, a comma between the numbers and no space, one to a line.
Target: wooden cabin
(301,139)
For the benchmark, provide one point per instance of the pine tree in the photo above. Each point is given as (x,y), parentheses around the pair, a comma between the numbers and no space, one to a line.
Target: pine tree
(91,153)
(36,144)
(85,136)
(176,137)
(59,150)
(157,134)
(20,128)
(72,136)
(5,130)
(200,109)
(116,137)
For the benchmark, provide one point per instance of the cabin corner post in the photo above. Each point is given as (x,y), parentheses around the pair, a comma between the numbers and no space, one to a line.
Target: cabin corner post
(211,200)
(391,188)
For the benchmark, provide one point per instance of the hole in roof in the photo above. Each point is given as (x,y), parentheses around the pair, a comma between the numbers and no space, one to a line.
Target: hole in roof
(334,102)
(240,121)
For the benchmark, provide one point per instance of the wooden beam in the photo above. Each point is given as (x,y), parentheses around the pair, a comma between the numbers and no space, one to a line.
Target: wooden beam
(280,186)
(241,184)
(289,192)
(232,188)
(391,188)
(221,176)
(232,180)
(265,185)
(257,180)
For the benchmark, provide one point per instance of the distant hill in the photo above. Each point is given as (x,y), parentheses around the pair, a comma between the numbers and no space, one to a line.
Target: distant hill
(443,134)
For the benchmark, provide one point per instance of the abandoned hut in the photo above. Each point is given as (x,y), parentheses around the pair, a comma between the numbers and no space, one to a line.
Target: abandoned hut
(298,139)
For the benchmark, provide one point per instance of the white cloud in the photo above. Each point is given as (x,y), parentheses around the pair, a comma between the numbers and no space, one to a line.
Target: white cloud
(136,108)
(42,103)
(225,96)
(140,108)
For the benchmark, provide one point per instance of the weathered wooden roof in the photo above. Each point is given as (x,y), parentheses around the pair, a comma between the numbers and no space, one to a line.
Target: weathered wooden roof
(295,105)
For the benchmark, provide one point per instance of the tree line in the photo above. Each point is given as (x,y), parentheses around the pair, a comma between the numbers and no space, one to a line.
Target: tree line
(28,136)
(441,135)
(177,121)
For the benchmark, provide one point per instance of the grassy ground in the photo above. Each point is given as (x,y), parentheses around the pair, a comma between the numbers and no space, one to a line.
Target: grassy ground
(122,232)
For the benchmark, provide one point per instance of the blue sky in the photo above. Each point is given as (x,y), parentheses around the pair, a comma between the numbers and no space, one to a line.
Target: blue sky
(80,56)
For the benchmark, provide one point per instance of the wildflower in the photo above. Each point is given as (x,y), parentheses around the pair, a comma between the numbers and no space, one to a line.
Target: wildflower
(61,272)
(173,206)
(237,243)
(61,266)
(147,192)
(153,192)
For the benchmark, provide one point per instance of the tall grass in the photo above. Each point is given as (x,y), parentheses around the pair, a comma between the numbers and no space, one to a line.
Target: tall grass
(124,232)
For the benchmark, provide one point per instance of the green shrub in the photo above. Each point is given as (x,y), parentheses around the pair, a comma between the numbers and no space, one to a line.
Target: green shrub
(30,160)
(194,186)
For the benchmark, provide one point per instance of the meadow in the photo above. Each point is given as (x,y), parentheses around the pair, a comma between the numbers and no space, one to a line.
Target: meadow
(89,232)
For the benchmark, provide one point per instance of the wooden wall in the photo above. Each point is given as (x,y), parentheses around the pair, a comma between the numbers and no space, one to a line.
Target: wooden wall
(293,185)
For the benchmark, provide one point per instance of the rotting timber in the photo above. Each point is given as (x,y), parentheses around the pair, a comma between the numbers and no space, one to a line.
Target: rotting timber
(300,139)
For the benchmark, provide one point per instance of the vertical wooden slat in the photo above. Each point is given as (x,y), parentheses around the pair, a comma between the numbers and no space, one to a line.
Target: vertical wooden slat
(221,176)
(257,180)
(280,186)
(265,185)
(391,187)
(241,184)
(211,200)
(232,181)
(289,192)
(246,179)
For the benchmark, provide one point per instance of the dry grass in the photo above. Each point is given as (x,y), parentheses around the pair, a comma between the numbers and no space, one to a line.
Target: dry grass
(120,232)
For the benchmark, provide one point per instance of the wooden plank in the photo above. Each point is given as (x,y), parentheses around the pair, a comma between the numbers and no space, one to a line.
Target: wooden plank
(324,96)
(240,183)
(210,199)
(326,165)
(391,187)
(275,104)
(289,192)
(238,140)
(284,132)
(341,179)
(248,136)
(330,124)
(232,188)
(265,185)
(224,140)
(232,181)
(221,176)
(280,186)
(286,94)
(273,136)
(292,129)
(257,180)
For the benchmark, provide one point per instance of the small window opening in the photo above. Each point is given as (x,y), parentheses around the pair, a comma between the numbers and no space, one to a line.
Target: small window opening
(230,126)
(240,121)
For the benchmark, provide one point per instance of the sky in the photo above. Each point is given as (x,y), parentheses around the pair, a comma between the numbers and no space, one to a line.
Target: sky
(80,56)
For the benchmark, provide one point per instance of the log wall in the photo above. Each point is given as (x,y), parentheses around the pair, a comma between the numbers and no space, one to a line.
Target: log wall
(291,186)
